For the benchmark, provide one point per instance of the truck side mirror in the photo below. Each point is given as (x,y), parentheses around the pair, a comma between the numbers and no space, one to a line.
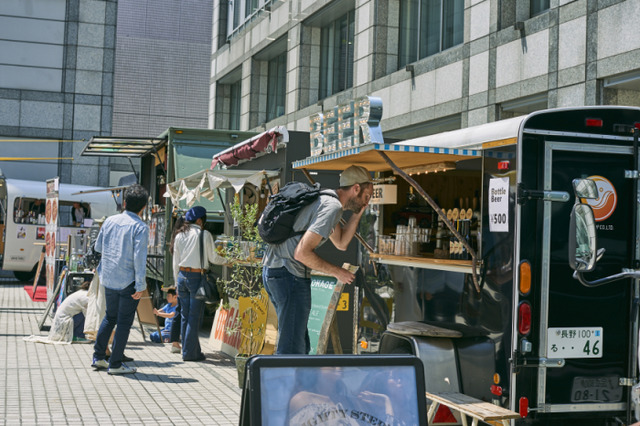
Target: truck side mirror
(585,188)
(582,239)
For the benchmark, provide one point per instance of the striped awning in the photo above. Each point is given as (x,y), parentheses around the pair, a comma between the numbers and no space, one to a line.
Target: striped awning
(404,156)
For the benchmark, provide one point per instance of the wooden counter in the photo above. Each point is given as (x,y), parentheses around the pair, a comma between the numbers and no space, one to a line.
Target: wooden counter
(453,265)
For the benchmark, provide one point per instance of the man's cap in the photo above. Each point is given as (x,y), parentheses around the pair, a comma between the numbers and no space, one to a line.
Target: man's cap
(353,175)
(195,213)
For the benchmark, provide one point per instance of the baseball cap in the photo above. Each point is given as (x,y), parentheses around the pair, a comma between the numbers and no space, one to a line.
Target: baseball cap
(353,175)
(195,213)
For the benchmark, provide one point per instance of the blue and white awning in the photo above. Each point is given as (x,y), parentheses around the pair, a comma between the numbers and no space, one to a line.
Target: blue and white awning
(404,156)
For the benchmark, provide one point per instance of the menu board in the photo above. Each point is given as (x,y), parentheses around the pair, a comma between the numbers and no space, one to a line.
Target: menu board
(51,231)
(325,295)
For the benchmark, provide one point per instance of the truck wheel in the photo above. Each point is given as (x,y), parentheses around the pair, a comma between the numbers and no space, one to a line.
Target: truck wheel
(24,276)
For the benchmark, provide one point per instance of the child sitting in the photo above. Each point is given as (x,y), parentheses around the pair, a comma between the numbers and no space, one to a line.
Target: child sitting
(167,312)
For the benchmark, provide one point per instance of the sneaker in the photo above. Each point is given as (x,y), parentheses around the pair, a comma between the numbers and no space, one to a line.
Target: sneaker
(123,369)
(80,340)
(175,349)
(124,358)
(100,364)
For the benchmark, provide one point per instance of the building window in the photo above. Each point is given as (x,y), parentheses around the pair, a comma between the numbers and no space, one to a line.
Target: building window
(276,86)
(538,6)
(428,27)
(242,11)
(336,56)
(234,105)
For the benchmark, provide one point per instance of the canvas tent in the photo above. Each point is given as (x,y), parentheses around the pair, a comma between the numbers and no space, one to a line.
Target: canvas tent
(205,183)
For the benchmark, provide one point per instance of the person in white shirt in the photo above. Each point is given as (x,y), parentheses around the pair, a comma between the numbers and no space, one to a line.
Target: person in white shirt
(187,271)
(78,214)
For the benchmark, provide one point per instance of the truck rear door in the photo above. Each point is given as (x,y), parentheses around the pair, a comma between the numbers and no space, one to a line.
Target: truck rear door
(588,328)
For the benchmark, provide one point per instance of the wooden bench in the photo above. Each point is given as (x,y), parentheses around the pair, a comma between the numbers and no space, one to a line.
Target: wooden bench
(469,406)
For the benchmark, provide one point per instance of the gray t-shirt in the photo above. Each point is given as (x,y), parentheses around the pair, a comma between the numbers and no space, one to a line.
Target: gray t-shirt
(320,217)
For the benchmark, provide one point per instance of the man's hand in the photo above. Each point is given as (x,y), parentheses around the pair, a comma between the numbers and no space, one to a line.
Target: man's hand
(137,295)
(344,276)
(155,311)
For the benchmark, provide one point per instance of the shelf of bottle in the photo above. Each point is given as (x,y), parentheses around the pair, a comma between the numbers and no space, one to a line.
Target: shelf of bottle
(452,265)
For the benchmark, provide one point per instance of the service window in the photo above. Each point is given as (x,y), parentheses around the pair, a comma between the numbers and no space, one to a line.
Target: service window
(29,210)
(73,213)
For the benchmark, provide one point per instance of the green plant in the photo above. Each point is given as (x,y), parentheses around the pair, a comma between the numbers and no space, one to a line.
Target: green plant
(244,277)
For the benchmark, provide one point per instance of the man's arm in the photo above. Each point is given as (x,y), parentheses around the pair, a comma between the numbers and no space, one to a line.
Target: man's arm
(305,254)
(140,242)
(341,236)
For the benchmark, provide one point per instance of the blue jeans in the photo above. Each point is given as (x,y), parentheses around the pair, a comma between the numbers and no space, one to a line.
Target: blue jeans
(191,312)
(121,310)
(176,324)
(291,296)
(78,325)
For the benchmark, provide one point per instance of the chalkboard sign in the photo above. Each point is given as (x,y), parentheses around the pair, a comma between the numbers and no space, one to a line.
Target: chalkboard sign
(325,295)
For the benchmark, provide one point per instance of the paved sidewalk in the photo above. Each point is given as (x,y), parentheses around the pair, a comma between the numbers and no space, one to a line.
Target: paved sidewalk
(54,384)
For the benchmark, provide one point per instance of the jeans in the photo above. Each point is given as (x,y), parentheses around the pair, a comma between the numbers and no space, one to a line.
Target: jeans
(291,296)
(191,312)
(121,310)
(78,326)
(176,324)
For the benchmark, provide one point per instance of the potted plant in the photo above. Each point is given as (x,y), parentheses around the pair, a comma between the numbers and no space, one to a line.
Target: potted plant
(244,283)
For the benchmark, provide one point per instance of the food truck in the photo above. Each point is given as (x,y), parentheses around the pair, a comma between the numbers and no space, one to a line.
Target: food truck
(175,154)
(22,221)
(513,259)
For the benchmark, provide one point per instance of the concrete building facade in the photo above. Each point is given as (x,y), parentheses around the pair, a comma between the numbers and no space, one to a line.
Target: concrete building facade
(437,65)
(73,69)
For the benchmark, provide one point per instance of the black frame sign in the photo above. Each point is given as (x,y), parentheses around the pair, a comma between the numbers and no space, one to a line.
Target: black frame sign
(334,390)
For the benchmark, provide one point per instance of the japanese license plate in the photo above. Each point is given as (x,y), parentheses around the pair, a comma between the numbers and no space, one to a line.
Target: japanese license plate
(596,389)
(574,342)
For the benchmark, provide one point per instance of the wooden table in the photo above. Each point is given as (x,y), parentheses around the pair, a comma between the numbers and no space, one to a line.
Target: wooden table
(469,406)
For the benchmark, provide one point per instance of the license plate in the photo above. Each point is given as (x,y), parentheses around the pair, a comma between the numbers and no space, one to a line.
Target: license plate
(596,389)
(574,342)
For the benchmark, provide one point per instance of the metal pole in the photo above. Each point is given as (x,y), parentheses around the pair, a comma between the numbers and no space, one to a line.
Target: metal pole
(440,213)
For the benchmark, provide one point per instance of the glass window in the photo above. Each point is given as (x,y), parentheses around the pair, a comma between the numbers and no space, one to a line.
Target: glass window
(32,211)
(240,12)
(276,86)
(336,56)
(250,7)
(428,27)
(538,6)
(234,106)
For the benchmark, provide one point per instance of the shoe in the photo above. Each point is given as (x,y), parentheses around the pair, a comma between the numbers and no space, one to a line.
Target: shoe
(124,358)
(80,340)
(123,369)
(201,357)
(175,349)
(100,364)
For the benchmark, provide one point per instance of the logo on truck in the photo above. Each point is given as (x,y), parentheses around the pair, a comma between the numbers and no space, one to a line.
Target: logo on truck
(603,206)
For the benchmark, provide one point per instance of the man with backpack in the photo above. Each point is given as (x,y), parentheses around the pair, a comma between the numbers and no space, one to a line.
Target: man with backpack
(287,265)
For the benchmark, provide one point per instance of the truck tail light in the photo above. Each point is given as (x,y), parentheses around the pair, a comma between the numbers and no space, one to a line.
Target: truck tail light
(524,318)
(523,406)
(525,277)
(496,390)
(594,122)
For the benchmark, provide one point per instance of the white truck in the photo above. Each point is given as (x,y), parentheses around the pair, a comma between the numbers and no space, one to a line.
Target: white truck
(22,219)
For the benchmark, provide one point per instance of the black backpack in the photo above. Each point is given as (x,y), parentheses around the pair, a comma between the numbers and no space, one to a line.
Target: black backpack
(275,224)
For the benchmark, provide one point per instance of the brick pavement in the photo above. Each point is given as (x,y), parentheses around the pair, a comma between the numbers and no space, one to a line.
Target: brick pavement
(42,384)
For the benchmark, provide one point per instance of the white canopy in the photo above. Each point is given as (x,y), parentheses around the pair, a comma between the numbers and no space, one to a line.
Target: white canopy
(205,182)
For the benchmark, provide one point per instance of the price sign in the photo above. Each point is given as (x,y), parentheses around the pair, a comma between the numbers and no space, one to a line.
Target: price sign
(499,205)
